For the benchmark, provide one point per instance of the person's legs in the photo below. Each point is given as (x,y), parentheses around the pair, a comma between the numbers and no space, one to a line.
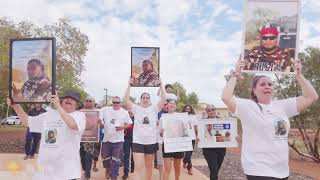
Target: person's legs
(126,156)
(106,156)
(220,157)
(27,144)
(211,158)
(166,168)
(148,160)
(35,143)
(138,166)
(96,157)
(160,162)
(176,165)
(82,158)
(88,164)
(132,161)
(116,158)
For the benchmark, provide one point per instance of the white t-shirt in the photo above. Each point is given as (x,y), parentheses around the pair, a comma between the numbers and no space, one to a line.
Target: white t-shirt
(145,130)
(192,121)
(265,150)
(112,119)
(59,146)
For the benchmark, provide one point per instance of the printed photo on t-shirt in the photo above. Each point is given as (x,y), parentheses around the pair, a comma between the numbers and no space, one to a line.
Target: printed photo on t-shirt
(146,120)
(50,136)
(281,129)
(113,121)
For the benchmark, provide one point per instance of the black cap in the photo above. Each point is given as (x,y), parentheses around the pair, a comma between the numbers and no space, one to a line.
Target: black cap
(72,94)
(168,85)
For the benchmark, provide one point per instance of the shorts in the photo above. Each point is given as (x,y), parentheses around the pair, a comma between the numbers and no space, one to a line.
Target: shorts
(175,155)
(159,156)
(146,149)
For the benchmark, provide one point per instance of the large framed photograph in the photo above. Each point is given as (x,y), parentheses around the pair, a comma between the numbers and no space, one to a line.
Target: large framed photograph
(271,36)
(145,68)
(92,130)
(217,132)
(176,134)
(32,70)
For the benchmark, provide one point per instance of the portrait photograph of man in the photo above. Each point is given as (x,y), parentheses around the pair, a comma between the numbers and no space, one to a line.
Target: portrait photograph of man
(145,66)
(271,33)
(32,70)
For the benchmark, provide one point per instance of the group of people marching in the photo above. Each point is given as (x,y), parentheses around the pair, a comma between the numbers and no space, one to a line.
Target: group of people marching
(264,153)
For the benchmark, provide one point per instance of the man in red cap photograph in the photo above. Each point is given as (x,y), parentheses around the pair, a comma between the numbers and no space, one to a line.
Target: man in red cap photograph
(271,34)
(268,56)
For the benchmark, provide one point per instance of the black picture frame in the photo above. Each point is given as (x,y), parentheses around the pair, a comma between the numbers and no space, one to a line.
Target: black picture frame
(53,68)
(141,47)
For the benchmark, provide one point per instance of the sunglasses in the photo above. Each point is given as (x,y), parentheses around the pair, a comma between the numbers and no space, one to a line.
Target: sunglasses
(88,101)
(268,37)
(115,102)
(211,110)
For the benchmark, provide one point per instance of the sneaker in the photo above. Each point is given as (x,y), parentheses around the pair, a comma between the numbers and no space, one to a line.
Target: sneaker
(107,175)
(125,176)
(190,172)
(184,165)
(95,169)
(25,157)
(31,157)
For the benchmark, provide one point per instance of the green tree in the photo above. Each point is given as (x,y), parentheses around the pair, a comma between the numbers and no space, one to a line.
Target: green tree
(309,119)
(183,97)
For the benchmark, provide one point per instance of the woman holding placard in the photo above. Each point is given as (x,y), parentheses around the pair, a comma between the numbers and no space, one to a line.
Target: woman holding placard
(175,132)
(213,156)
(265,153)
(145,132)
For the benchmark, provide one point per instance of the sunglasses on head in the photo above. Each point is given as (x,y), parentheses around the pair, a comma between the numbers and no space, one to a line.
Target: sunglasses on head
(268,37)
(115,102)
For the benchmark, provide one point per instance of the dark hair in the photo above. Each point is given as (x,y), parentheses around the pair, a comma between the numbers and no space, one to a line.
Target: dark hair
(168,85)
(144,94)
(253,86)
(185,107)
(37,62)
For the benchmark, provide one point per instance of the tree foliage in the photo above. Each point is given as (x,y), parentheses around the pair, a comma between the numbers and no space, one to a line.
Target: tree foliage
(184,98)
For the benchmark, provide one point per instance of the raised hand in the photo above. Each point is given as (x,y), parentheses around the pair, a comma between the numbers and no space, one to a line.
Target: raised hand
(297,68)
(238,68)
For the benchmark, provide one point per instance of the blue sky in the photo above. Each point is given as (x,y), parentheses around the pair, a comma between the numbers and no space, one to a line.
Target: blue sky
(199,40)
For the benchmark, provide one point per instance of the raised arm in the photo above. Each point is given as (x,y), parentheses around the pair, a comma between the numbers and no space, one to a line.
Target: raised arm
(162,96)
(309,94)
(228,91)
(23,116)
(126,98)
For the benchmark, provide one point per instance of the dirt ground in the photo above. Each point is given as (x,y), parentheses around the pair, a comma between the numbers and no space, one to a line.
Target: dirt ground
(12,141)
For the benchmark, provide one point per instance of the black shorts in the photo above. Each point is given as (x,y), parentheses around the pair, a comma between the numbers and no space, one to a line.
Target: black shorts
(146,149)
(175,155)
